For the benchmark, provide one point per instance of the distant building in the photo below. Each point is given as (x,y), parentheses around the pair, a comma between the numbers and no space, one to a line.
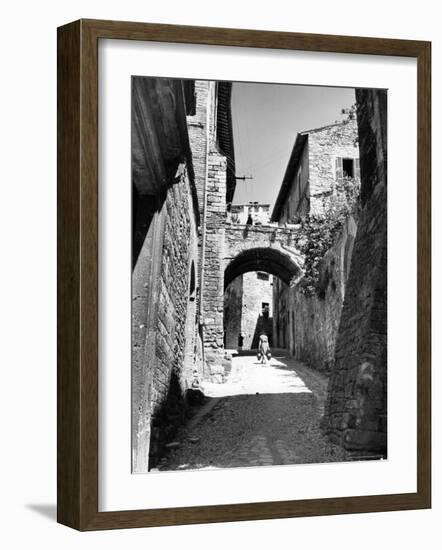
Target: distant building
(259,213)
(320,158)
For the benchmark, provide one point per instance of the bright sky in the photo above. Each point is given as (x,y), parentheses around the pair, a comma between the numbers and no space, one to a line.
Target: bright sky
(266,119)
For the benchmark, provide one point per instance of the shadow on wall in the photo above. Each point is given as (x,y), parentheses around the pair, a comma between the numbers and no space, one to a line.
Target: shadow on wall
(143,211)
(174,412)
(166,420)
(263,324)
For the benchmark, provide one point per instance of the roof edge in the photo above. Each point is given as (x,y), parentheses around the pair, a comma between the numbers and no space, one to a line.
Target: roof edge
(295,157)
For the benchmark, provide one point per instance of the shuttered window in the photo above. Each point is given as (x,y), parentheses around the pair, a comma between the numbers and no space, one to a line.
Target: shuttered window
(339,171)
(357,169)
(348,167)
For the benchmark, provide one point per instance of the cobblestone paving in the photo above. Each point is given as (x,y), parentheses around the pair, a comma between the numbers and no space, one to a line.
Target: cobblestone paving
(264,415)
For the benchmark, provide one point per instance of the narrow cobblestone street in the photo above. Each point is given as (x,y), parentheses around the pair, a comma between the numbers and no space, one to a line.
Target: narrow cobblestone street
(263,415)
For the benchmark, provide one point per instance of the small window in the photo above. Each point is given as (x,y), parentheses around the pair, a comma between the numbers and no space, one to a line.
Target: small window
(263,276)
(348,168)
(357,169)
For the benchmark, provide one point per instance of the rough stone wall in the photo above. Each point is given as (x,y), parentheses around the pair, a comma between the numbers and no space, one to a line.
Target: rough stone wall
(324,146)
(198,132)
(307,325)
(210,169)
(213,277)
(356,407)
(240,238)
(316,317)
(171,371)
(199,126)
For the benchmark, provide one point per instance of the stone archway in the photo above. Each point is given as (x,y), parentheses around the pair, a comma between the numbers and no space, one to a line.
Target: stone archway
(248,292)
(231,251)
(271,260)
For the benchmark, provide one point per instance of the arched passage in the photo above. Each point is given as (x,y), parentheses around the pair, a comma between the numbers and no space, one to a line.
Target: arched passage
(269,260)
(249,303)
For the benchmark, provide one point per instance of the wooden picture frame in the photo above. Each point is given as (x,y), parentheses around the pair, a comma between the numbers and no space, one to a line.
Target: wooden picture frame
(78,274)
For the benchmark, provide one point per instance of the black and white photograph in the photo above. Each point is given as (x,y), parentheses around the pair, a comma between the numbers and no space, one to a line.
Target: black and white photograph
(218,265)
(259,274)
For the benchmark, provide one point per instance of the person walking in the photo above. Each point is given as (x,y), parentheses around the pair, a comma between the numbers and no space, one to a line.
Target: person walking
(240,341)
(264,348)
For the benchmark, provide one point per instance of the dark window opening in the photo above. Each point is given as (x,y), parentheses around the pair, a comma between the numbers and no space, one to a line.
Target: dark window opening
(348,168)
(265,308)
(263,276)
(192,285)
(189,97)
(143,212)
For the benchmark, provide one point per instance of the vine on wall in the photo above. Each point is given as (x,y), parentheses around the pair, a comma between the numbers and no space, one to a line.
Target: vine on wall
(319,232)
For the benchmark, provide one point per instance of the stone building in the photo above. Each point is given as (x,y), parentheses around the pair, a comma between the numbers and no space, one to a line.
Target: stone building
(306,323)
(319,158)
(248,299)
(211,139)
(183,177)
(248,310)
(253,212)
